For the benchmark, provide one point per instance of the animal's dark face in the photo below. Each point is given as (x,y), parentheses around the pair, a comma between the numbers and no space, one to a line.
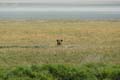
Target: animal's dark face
(59,42)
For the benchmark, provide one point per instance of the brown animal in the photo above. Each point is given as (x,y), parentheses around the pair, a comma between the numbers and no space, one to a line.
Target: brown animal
(59,42)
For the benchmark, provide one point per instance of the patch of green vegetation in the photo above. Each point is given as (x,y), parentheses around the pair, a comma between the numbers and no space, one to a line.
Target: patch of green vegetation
(62,72)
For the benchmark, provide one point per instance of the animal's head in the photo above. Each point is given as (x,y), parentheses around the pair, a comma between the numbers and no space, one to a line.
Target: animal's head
(59,41)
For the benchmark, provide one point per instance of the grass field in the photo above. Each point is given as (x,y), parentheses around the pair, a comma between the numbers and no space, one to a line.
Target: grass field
(34,42)
(62,72)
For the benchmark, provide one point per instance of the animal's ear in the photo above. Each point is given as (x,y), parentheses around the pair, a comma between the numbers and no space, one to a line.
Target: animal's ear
(61,40)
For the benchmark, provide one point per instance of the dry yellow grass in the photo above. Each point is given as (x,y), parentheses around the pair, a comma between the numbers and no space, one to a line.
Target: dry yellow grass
(34,42)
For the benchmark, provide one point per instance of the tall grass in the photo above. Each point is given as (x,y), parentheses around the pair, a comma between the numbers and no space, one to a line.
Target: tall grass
(63,72)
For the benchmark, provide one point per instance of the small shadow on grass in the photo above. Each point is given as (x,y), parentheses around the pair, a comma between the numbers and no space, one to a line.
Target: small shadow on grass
(39,46)
(16,46)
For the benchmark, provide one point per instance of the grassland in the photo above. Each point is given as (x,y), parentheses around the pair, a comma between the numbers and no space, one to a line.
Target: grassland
(62,72)
(34,42)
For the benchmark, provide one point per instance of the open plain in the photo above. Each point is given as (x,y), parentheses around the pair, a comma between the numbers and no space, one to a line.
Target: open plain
(34,42)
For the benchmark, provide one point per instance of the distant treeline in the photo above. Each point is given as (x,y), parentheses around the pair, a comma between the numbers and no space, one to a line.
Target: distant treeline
(62,72)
